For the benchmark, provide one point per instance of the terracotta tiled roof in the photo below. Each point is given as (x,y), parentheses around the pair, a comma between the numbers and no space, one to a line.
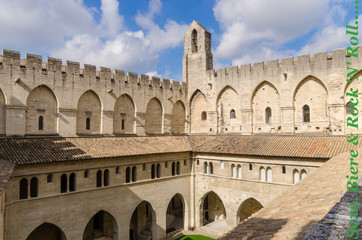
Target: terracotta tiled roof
(6,168)
(46,150)
(294,213)
(283,146)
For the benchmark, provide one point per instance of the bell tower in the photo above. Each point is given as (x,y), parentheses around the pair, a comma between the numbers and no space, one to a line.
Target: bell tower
(197,57)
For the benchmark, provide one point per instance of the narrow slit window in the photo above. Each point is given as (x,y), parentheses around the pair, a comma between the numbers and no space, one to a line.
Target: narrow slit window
(87,123)
(306,113)
(122,124)
(41,123)
(268,115)
(24,188)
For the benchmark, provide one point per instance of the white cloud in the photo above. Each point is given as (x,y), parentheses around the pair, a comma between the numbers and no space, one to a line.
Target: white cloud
(257,30)
(69,30)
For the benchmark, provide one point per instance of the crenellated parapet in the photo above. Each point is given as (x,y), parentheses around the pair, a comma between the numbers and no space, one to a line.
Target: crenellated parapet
(69,82)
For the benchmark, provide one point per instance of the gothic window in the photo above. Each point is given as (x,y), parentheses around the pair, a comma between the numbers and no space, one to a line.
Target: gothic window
(194,40)
(205,168)
(106,177)
(232,113)
(72,182)
(99,178)
(268,115)
(178,168)
(128,174)
(134,174)
(233,171)
(296,176)
(153,175)
(306,113)
(33,187)
(173,169)
(86,174)
(269,175)
(239,170)
(50,178)
(262,174)
(87,123)
(41,123)
(250,167)
(158,170)
(303,174)
(63,183)
(203,115)
(211,168)
(23,188)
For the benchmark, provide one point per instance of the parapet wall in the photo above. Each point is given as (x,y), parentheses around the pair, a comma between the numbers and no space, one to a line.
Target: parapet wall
(18,77)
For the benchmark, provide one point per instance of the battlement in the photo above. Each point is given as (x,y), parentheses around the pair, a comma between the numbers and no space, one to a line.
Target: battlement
(35,63)
(337,57)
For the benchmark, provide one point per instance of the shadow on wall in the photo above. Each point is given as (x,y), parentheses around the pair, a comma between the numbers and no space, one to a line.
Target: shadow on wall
(337,221)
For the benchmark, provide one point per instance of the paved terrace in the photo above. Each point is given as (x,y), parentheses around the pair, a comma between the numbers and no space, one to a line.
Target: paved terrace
(294,214)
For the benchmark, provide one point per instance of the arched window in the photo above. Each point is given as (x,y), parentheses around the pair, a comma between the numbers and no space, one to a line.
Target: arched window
(232,113)
(283,169)
(117,170)
(250,166)
(50,178)
(239,170)
(86,174)
(296,176)
(268,115)
(269,175)
(87,123)
(348,108)
(198,162)
(153,175)
(194,40)
(262,174)
(303,174)
(134,174)
(122,124)
(211,168)
(72,182)
(158,170)
(233,171)
(41,123)
(205,167)
(306,113)
(106,177)
(178,168)
(99,178)
(63,183)
(203,115)
(128,174)
(23,194)
(173,169)
(34,187)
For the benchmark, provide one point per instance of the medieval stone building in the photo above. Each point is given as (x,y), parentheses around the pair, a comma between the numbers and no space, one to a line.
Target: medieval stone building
(89,154)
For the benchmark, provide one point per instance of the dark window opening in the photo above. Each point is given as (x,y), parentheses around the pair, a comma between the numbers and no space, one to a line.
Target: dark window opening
(134,174)
(117,170)
(128,174)
(63,183)
(23,188)
(173,169)
(34,187)
(194,41)
(153,171)
(86,174)
(122,124)
(106,177)
(250,167)
(178,168)
(158,170)
(50,178)
(232,113)
(306,113)
(211,168)
(283,169)
(203,116)
(99,178)
(98,221)
(87,123)
(41,123)
(72,182)
(268,115)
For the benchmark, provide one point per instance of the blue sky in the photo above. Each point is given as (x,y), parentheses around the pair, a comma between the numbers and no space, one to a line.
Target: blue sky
(146,36)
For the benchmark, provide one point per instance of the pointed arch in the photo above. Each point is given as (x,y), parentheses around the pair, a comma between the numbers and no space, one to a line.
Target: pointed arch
(175,214)
(154,116)
(178,118)
(102,223)
(266,110)
(47,231)
(228,119)
(124,115)
(89,107)
(312,92)
(212,208)
(247,208)
(143,222)
(41,114)
(198,105)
